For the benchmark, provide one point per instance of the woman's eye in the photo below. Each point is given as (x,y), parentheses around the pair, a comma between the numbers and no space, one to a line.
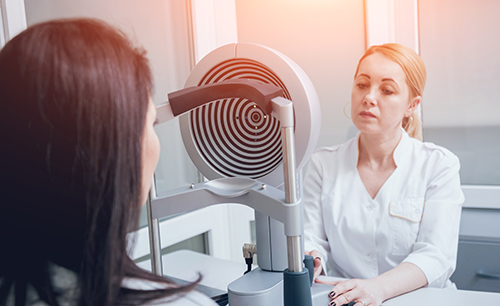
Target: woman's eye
(362,85)
(387,91)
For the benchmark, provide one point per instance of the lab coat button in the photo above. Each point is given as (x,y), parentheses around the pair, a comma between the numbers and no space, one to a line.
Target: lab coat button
(370,207)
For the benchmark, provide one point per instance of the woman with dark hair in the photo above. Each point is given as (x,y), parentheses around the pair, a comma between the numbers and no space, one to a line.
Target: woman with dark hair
(78,154)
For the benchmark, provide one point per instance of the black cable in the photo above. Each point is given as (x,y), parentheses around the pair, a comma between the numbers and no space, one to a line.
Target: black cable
(221,300)
(249,262)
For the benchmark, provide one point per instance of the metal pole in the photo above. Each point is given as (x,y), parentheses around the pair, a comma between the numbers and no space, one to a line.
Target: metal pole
(154,234)
(294,243)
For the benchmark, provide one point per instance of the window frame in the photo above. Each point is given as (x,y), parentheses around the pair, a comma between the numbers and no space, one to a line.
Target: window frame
(12,19)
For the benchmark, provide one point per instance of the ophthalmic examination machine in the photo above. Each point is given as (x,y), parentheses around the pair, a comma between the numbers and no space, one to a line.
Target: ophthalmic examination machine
(249,119)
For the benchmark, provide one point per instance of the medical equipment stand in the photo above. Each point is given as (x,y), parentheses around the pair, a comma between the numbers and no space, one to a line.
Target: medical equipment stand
(296,280)
(154,234)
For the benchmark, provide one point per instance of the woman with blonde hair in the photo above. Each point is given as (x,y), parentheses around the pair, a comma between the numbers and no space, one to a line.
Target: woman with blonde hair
(383,209)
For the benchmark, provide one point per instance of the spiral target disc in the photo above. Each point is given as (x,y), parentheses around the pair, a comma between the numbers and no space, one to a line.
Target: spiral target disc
(234,135)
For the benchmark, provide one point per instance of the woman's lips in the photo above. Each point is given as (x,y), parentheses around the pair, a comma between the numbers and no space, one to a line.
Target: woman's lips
(367,115)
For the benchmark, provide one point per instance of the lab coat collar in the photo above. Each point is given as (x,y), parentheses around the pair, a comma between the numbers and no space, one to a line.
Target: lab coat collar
(401,149)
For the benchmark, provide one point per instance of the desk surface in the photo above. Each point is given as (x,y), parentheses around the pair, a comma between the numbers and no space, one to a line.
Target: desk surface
(434,296)
(218,273)
(187,265)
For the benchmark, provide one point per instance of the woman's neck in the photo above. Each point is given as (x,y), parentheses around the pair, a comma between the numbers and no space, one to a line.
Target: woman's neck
(378,149)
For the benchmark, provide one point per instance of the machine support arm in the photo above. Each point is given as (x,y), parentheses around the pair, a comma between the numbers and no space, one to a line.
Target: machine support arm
(296,279)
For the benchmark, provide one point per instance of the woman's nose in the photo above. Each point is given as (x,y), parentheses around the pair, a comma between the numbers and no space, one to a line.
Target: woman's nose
(370,98)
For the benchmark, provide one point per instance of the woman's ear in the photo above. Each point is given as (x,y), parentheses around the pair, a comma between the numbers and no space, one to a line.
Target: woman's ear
(413,105)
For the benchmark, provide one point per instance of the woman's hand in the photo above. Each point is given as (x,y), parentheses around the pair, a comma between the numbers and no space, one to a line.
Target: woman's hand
(362,292)
(318,269)
(404,278)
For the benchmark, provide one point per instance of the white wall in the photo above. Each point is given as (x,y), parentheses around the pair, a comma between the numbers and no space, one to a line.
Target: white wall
(325,37)
(460,45)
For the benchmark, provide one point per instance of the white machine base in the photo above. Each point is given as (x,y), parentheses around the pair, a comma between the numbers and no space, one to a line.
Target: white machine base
(266,288)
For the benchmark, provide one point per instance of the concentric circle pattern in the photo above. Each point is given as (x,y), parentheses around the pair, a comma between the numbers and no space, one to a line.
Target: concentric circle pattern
(234,135)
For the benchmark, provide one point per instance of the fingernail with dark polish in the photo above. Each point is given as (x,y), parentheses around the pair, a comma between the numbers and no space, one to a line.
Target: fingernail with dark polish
(332,303)
(317,258)
(331,294)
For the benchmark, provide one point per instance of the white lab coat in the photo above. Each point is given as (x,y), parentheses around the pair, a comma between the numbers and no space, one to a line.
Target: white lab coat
(414,217)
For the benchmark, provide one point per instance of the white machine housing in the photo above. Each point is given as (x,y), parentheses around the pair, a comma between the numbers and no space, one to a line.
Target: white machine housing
(251,61)
(251,147)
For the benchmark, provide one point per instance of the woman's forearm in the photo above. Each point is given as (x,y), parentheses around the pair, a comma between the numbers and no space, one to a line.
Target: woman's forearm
(404,278)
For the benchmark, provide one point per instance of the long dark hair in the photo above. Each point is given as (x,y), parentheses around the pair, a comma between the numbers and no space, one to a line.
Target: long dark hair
(73,104)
